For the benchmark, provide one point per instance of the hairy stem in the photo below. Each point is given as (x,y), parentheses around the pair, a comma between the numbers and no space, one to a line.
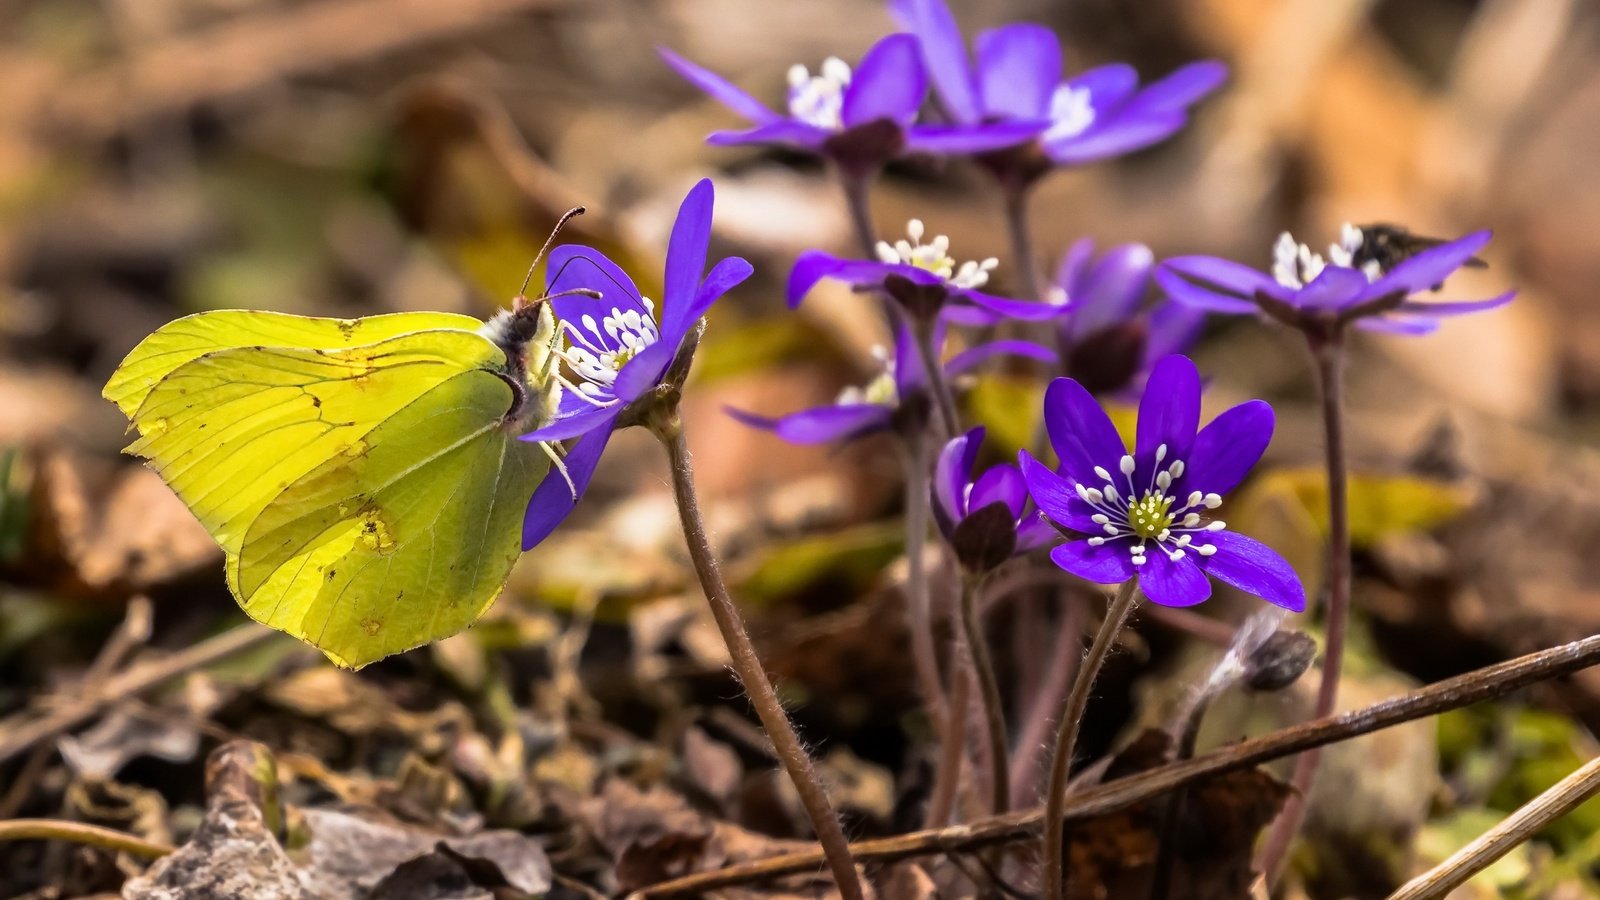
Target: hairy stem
(747,665)
(919,605)
(857,197)
(944,403)
(1329,355)
(1067,726)
(1066,657)
(1028,280)
(994,713)
(952,752)
(1172,813)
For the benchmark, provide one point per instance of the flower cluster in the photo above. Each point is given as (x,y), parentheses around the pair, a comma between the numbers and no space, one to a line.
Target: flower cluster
(1359,282)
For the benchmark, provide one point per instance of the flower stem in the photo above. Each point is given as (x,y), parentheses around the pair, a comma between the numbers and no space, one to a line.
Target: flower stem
(1067,725)
(747,665)
(1028,279)
(81,833)
(994,713)
(919,605)
(952,752)
(1328,353)
(944,403)
(1172,811)
(857,198)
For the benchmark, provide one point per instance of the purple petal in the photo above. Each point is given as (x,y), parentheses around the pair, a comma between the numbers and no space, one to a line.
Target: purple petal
(1410,326)
(1108,563)
(1019,65)
(943,53)
(957,140)
(1034,532)
(1000,483)
(1123,134)
(718,87)
(686,252)
(1074,266)
(1181,89)
(582,421)
(1190,295)
(726,275)
(1022,310)
(573,266)
(553,499)
(972,357)
(909,373)
(1110,292)
(1169,411)
(1431,266)
(1336,287)
(1456,307)
(1254,568)
(1080,431)
(1227,449)
(1055,496)
(1173,582)
(1173,328)
(953,471)
(823,424)
(890,83)
(1220,275)
(644,371)
(1108,85)
(812,266)
(780,131)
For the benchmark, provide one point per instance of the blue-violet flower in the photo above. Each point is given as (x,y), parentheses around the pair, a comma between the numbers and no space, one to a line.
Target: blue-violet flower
(1111,341)
(987,518)
(1017,77)
(862,116)
(923,278)
(1348,286)
(618,357)
(1146,514)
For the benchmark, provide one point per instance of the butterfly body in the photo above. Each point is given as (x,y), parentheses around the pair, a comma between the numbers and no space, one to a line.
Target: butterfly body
(362,476)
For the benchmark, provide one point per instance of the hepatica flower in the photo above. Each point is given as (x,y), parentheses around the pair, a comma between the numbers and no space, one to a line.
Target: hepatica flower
(617,349)
(867,114)
(1359,281)
(1150,514)
(1016,76)
(923,278)
(1111,341)
(894,399)
(987,518)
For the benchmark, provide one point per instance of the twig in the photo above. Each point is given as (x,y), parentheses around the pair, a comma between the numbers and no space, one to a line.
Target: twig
(1501,839)
(1452,693)
(80,833)
(22,731)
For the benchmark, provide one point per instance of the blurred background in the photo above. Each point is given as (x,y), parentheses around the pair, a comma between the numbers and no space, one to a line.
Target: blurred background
(351,157)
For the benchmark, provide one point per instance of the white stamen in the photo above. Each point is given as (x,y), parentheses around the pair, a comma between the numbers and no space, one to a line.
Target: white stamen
(1126,465)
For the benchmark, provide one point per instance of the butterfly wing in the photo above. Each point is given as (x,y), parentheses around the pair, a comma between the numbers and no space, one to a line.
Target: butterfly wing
(191,337)
(404,543)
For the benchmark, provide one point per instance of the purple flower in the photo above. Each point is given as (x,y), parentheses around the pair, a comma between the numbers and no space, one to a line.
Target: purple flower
(883,404)
(1016,77)
(616,350)
(1111,342)
(867,114)
(1144,514)
(986,519)
(1351,285)
(923,278)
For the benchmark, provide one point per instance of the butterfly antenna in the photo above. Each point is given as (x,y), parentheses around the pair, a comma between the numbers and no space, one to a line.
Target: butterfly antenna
(568,216)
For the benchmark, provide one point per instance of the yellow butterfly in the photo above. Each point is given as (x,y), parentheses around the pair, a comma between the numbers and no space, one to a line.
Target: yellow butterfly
(363,476)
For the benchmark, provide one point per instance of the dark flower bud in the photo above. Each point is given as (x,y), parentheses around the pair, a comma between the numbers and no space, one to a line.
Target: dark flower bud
(1107,360)
(1279,661)
(986,538)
